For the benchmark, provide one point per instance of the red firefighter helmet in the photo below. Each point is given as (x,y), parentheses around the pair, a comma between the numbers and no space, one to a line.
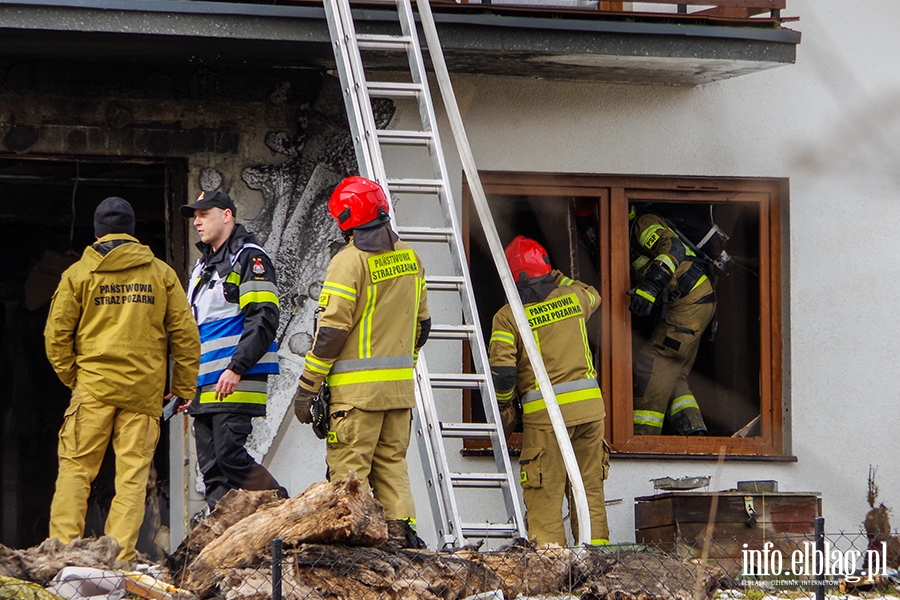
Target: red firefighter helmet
(526,256)
(357,201)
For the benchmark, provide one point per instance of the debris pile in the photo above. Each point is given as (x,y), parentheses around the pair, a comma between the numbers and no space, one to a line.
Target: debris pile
(337,546)
(81,569)
(41,563)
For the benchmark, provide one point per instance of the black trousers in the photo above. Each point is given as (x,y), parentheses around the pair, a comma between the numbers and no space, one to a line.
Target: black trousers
(224,461)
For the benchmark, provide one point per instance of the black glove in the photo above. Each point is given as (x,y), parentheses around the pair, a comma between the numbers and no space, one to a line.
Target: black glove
(303,400)
(645,294)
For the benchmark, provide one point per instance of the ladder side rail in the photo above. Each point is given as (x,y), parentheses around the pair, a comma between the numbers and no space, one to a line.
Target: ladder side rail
(469,306)
(368,137)
(426,110)
(509,287)
(339,39)
(437,469)
(420,76)
(357,102)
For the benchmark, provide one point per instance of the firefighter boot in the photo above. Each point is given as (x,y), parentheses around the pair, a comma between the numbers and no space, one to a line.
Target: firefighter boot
(401,533)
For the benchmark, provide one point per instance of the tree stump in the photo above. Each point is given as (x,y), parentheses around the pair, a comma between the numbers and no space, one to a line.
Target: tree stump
(326,513)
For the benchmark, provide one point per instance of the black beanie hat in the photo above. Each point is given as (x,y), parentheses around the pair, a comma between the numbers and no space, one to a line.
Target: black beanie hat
(113,215)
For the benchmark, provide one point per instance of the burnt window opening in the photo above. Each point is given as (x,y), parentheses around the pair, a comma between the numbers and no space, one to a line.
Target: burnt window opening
(553,221)
(724,378)
(583,222)
(46,218)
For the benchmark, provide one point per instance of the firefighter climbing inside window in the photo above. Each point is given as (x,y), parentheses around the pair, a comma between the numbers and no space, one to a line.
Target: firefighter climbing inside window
(675,253)
(373,321)
(558,309)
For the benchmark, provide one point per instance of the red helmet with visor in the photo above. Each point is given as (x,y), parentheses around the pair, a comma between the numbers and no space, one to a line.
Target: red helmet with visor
(356,202)
(526,257)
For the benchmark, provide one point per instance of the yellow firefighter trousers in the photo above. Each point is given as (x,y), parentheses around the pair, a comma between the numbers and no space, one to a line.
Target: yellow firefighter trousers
(661,369)
(544,481)
(373,445)
(83,439)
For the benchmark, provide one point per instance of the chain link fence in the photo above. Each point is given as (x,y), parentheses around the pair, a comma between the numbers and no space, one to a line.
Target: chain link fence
(741,567)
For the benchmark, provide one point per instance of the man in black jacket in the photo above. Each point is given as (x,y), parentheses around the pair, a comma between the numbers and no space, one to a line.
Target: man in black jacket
(234,296)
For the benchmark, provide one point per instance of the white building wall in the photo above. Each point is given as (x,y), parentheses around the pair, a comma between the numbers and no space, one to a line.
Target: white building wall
(830,125)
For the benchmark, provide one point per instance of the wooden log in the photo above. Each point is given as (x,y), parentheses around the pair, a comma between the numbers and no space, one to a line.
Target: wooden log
(331,572)
(329,533)
(231,508)
(338,573)
(525,571)
(653,575)
(326,513)
(146,590)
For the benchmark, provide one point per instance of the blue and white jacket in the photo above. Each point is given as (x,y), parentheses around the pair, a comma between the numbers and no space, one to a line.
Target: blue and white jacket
(234,297)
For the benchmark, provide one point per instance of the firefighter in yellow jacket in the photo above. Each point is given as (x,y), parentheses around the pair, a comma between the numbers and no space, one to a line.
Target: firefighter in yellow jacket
(672,275)
(374,319)
(557,308)
(115,315)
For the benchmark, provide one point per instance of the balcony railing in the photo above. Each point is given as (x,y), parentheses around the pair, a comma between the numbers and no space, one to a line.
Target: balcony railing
(738,9)
(732,10)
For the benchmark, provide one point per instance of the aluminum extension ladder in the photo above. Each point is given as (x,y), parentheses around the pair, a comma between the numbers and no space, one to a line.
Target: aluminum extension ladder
(368,142)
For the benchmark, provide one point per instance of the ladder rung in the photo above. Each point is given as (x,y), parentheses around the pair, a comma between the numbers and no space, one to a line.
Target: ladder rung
(489,530)
(382,42)
(468,430)
(451,332)
(478,480)
(415,186)
(387,89)
(425,234)
(396,137)
(444,284)
(457,381)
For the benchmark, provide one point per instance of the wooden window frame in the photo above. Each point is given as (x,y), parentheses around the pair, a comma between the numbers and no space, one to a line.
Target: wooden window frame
(614,194)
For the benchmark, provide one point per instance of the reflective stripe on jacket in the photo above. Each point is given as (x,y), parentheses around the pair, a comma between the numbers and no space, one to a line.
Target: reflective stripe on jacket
(114,316)
(557,323)
(236,306)
(566,393)
(374,304)
(653,240)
